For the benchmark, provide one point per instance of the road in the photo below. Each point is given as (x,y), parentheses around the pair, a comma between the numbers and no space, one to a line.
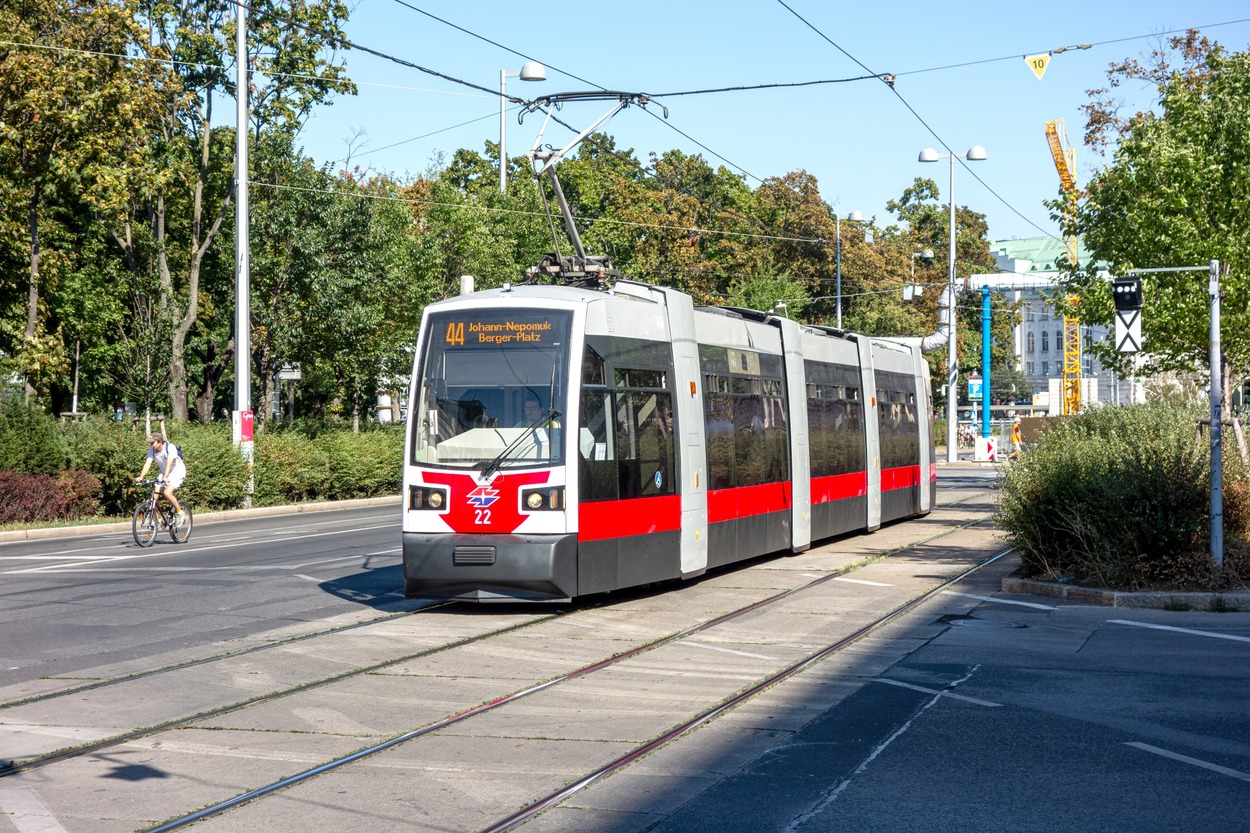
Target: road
(71,604)
(972,710)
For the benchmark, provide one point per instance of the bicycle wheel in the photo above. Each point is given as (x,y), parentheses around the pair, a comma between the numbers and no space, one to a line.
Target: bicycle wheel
(144,523)
(181,532)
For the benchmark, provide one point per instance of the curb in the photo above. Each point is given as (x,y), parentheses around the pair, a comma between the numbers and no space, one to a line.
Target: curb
(1234,601)
(205,517)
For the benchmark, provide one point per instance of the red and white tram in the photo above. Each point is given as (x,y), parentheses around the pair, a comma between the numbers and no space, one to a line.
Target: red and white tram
(660,440)
(585,436)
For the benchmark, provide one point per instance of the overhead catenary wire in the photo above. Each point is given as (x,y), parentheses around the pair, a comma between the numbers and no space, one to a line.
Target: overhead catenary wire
(889,82)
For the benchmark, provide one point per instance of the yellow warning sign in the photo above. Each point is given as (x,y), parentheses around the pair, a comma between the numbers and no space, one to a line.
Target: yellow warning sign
(1038,63)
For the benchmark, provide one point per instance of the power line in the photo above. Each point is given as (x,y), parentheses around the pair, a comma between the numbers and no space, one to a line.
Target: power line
(1017,57)
(889,81)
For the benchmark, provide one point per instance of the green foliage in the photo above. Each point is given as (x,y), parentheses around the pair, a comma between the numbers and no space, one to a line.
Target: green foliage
(113,453)
(29,440)
(1175,194)
(216,471)
(291,467)
(1118,498)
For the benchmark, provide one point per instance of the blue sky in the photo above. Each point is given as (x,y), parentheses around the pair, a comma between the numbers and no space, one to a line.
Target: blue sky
(858,138)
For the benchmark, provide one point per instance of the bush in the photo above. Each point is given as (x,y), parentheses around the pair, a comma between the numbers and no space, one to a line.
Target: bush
(330,465)
(216,471)
(113,452)
(1118,497)
(29,439)
(289,468)
(33,498)
(291,465)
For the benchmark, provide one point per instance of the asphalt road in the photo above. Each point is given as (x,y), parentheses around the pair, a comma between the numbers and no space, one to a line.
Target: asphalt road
(67,604)
(978,711)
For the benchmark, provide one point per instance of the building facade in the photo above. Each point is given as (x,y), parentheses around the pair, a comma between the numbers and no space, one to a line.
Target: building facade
(1027,274)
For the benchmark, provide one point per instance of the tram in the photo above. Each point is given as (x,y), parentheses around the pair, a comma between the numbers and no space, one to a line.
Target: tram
(588,434)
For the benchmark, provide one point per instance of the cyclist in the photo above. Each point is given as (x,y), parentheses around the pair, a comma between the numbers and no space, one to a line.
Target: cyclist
(173,471)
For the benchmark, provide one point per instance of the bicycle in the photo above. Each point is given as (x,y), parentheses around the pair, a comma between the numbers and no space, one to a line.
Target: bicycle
(154,514)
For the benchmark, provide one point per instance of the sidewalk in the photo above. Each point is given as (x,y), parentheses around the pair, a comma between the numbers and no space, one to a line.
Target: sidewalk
(200,517)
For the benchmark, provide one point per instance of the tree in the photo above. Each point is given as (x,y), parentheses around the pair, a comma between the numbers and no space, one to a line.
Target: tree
(1175,194)
(928,227)
(72,113)
(294,68)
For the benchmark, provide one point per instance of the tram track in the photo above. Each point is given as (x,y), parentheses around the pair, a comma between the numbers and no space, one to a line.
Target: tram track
(602,664)
(14,767)
(552,799)
(225,655)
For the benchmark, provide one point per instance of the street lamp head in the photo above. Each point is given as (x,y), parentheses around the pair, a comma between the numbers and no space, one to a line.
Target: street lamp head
(534,71)
(855,216)
(927,254)
(976,153)
(929,155)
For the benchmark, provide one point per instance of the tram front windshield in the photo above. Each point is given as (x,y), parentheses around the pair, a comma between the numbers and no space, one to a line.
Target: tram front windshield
(492,389)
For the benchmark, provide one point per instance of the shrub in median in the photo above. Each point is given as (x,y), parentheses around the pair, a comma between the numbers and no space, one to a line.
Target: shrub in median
(33,498)
(1119,497)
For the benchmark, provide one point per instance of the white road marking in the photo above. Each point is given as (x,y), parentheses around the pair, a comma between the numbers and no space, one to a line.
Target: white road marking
(308,578)
(66,568)
(1211,634)
(901,684)
(27,813)
(82,733)
(997,600)
(803,818)
(862,581)
(1185,759)
(727,650)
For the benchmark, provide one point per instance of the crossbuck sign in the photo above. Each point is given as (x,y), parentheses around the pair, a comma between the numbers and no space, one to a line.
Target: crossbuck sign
(1128,330)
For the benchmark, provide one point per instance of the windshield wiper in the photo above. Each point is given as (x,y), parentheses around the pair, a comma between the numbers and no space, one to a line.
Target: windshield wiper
(490,468)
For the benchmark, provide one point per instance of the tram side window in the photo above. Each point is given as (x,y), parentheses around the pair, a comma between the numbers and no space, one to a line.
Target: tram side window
(719,426)
(835,420)
(644,443)
(626,444)
(598,477)
(898,423)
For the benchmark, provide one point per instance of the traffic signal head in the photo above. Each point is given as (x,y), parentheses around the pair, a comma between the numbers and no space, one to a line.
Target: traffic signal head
(1126,292)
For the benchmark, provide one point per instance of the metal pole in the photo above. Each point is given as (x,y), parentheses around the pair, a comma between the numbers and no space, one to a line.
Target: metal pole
(1217,452)
(952,361)
(837,232)
(242,288)
(503,156)
(985,361)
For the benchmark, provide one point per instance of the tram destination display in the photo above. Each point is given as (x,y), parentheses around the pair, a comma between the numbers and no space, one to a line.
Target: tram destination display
(505,331)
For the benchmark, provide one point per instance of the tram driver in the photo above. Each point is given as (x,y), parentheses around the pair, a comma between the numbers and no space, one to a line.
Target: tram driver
(533,413)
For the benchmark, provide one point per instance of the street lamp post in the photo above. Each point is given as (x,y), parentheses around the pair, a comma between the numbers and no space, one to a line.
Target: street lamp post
(854,216)
(976,153)
(532,71)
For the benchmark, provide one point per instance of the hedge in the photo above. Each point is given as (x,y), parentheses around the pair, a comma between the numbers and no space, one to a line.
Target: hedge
(290,466)
(1119,498)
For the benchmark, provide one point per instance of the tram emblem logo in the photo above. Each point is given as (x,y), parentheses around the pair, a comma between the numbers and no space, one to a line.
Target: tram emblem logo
(483,496)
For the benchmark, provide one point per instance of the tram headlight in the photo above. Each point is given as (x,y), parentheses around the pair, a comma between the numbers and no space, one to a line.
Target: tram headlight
(424,497)
(540,500)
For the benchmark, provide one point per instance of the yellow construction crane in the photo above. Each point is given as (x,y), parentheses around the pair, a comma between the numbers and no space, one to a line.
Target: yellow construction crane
(1065,163)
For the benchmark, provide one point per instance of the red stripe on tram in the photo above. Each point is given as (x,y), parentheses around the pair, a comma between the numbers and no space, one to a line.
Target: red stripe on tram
(839,487)
(903,477)
(622,518)
(746,501)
